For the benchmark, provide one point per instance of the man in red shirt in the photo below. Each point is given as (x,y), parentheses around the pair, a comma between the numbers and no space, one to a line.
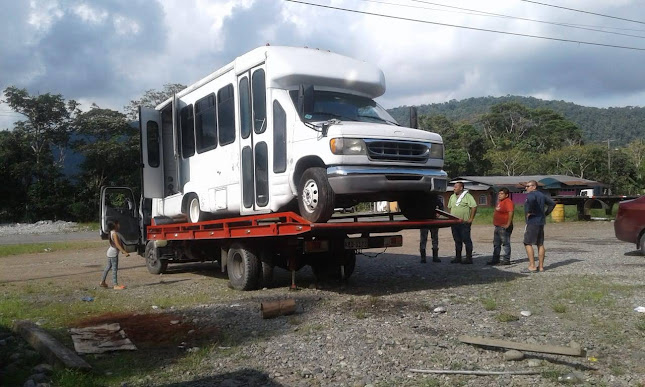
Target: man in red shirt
(503,221)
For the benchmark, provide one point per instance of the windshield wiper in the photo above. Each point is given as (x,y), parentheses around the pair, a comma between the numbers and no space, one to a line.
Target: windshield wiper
(335,116)
(379,119)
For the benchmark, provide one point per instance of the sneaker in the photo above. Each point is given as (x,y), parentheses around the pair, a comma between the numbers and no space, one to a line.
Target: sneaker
(103,285)
(118,287)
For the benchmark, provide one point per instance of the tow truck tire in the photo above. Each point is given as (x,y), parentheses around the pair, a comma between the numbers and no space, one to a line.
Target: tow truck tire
(195,213)
(154,264)
(315,196)
(266,275)
(243,267)
(419,206)
(331,270)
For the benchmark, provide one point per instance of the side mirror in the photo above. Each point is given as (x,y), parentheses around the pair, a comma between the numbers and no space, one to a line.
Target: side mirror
(414,117)
(305,100)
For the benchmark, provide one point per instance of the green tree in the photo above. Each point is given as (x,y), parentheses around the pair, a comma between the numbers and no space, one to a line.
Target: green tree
(110,147)
(512,125)
(152,98)
(464,146)
(16,164)
(635,150)
(48,124)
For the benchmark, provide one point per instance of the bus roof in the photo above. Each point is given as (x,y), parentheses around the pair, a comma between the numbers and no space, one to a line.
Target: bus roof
(288,67)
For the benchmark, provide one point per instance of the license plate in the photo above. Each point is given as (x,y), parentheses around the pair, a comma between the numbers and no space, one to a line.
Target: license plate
(356,243)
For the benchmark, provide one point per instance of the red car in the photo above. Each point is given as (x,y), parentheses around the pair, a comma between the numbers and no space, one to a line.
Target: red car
(630,222)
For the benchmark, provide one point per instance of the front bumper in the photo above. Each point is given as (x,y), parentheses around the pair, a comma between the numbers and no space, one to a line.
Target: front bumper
(362,180)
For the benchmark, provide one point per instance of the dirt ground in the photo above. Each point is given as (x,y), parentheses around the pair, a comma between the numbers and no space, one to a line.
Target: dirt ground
(588,293)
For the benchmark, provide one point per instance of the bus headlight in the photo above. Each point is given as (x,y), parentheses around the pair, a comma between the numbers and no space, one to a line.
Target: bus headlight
(436,151)
(347,146)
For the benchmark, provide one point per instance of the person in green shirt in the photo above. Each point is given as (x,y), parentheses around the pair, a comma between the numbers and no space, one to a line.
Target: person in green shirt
(463,206)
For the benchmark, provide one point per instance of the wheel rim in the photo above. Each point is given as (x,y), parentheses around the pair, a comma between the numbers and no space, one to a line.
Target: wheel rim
(310,195)
(237,266)
(194,210)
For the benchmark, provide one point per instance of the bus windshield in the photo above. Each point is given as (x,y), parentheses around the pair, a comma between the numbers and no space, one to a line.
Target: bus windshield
(345,107)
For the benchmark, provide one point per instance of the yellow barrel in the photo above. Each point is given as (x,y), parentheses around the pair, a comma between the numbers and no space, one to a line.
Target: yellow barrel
(558,213)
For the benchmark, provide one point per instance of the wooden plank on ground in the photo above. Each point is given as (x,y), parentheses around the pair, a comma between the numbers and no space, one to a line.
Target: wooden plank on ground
(574,350)
(50,348)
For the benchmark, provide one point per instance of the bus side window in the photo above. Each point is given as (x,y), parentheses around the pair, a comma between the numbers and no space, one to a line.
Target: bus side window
(205,124)
(152,135)
(245,108)
(187,131)
(279,138)
(226,114)
(259,101)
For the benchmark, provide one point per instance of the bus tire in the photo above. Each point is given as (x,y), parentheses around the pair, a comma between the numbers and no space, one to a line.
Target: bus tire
(419,206)
(195,213)
(315,196)
(155,264)
(243,267)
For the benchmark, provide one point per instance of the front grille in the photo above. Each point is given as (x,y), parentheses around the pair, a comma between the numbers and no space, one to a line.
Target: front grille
(397,151)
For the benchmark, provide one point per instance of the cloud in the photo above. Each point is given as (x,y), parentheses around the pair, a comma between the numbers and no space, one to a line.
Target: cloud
(110,52)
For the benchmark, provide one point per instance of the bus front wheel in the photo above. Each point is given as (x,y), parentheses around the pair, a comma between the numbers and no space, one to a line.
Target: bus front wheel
(315,196)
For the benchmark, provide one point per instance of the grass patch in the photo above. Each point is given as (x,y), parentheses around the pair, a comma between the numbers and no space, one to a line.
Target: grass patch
(559,308)
(489,303)
(507,317)
(640,325)
(552,374)
(49,247)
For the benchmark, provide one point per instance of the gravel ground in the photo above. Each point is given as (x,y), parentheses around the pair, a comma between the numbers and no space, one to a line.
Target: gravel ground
(383,322)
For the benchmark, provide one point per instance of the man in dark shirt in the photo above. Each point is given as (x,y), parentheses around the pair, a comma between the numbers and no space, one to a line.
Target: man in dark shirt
(535,221)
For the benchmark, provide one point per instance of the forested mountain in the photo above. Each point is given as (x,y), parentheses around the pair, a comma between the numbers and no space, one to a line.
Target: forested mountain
(622,124)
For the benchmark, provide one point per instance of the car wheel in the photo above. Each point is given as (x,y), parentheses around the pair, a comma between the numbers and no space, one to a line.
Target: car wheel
(315,196)
(641,243)
(419,206)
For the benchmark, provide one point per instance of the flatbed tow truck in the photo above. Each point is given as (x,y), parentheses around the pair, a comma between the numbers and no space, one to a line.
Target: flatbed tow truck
(249,247)
(584,204)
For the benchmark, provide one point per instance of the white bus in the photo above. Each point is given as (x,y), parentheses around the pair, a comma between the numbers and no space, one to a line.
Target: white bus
(281,128)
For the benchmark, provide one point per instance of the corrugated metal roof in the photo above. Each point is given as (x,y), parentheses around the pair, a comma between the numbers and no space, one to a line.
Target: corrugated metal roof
(523,179)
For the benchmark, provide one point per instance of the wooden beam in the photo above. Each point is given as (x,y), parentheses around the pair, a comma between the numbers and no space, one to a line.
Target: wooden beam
(478,372)
(51,349)
(574,350)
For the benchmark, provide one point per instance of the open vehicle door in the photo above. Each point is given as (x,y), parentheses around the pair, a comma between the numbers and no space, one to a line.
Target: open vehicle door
(151,153)
(118,204)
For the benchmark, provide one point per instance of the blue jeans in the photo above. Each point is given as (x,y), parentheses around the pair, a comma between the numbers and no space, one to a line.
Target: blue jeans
(502,239)
(434,234)
(112,263)
(461,235)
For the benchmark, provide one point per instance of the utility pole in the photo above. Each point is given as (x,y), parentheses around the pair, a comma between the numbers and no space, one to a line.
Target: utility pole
(609,155)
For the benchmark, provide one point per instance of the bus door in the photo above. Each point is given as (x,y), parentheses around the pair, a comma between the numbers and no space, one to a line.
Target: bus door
(255,138)
(151,153)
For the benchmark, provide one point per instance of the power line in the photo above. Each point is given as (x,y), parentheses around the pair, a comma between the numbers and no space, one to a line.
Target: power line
(578,10)
(467,28)
(490,14)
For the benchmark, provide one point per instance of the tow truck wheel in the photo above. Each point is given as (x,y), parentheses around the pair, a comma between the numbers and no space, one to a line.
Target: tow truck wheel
(315,196)
(419,206)
(195,214)
(325,268)
(154,264)
(243,267)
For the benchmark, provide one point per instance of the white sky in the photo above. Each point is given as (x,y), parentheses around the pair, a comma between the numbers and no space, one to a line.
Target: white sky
(110,52)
